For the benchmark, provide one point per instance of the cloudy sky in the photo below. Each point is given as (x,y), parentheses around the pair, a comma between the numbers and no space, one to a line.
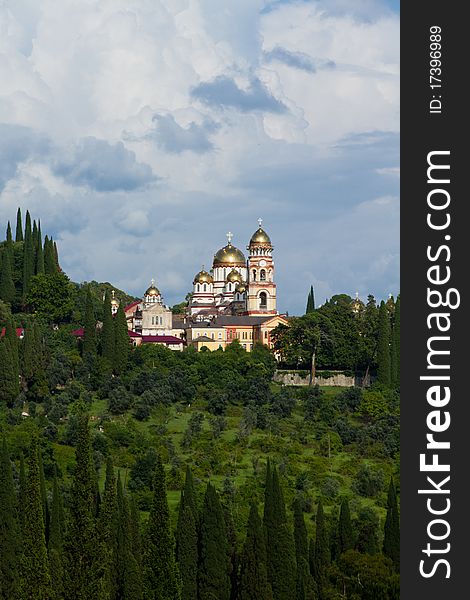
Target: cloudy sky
(141,131)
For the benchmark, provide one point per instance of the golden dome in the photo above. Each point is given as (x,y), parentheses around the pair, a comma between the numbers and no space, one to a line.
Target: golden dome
(114,301)
(229,255)
(234,276)
(241,287)
(260,237)
(203,277)
(152,290)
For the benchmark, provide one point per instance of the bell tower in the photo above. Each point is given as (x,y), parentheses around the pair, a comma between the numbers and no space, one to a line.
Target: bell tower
(261,298)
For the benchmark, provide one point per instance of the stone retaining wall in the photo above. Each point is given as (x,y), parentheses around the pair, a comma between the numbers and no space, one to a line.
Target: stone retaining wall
(337,379)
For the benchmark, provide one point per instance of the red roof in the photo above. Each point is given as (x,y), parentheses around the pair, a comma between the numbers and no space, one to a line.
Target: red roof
(19,332)
(131,305)
(78,332)
(161,339)
(134,334)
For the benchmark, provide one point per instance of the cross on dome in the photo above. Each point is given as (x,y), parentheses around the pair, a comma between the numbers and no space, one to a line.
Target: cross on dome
(260,222)
(229,237)
(152,282)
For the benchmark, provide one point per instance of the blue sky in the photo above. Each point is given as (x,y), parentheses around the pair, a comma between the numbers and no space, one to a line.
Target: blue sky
(141,131)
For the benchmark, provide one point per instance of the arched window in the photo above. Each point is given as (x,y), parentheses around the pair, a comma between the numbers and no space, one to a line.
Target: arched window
(263,300)
(254,274)
(205,287)
(198,287)
(262,275)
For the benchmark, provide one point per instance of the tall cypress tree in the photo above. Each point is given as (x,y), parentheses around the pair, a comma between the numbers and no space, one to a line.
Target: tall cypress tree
(391,546)
(107,332)
(345,532)
(7,286)
(310,301)
(35,583)
(10,538)
(395,349)
(50,266)
(160,573)
(22,492)
(81,550)
(28,260)
(121,341)
(129,576)
(19,227)
(107,532)
(39,253)
(56,543)
(89,338)
(279,541)
(134,528)
(305,582)
(33,354)
(35,239)
(9,236)
(214,553)
(253,571)
(322,556)
(383,346)
(45,504)
(56,256)
(9,371)
(187,540)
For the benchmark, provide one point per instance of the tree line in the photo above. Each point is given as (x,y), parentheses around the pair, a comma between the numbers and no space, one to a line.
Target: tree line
(78,542)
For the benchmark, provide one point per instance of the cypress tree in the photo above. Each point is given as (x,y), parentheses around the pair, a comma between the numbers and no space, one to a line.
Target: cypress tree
(129,580)
(395,350)
(22,492)
(253,572)
(9,236)
(136,543)
(322,551)
(214,554)
(28,260)
(107,332)
(49,259)
(9,371)
(391,545)
(56,257)
(121,341)
(279,541)
(160,573)
(10,539)
(19,227)
(7,286)
(33,354)
(345,532)
(89,338)
(35,239)
(310,301)
(107,532)
(81,550)
(35,581)
(56,543)
(39,253)
(187,539)
(45,505)
(383,346)
(305,583)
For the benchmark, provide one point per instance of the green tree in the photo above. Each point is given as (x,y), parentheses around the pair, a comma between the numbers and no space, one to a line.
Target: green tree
(310,301)
(391,546)
(19,226)
(10,538)
(7,286)
(9,371)
(214,552)
(45,503)
(56,543)
(83,579)
(395,347)
(187,539)
(28,256)
(305,582)
(279,541)
(121,340)
(160,573)
(39,253)
(253,571)
(107,532)
(89,337)
(33,360)
(345,532)
(50,296)
(383,347)
(129,576)
(322,556)
(50,265)
(107,332)
(35,583)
